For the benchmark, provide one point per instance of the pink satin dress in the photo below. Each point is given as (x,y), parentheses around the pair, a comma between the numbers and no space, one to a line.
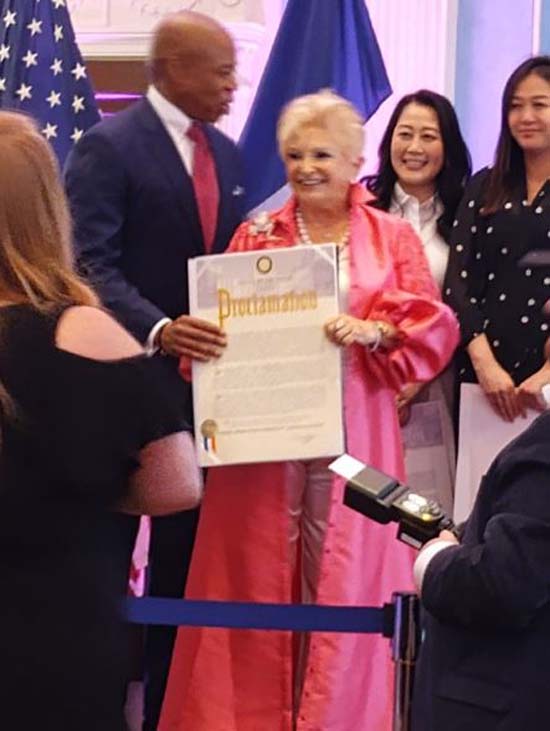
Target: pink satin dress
(236,680)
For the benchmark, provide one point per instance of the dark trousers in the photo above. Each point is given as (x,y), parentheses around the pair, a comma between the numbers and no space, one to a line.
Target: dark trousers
(172,539)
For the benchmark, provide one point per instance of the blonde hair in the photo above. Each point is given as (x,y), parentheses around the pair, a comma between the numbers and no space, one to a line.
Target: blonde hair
(328,111)
(36,261)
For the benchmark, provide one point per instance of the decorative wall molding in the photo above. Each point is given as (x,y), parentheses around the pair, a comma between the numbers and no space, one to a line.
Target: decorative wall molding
(228,9)
(122,17)
(111,29)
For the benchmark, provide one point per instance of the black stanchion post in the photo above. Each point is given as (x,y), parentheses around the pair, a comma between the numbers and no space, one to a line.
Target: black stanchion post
(405,643)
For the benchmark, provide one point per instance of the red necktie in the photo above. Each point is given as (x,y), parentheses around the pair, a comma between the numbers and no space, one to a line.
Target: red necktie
(205,183)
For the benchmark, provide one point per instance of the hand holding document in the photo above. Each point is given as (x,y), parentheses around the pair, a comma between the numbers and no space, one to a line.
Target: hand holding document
(276,392)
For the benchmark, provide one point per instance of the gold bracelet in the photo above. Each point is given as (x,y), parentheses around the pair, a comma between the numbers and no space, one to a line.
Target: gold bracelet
(383,331)
(383,328)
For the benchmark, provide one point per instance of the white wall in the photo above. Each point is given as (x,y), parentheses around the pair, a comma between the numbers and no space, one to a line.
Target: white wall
(417,39)
(122,28)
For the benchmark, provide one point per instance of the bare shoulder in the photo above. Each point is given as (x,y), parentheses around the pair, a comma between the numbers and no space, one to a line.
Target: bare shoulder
(93,333)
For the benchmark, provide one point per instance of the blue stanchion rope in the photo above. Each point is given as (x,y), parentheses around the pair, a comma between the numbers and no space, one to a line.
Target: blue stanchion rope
(241,615)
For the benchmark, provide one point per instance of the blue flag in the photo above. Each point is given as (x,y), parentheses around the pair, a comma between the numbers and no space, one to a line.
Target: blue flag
(319,44)
(42,73)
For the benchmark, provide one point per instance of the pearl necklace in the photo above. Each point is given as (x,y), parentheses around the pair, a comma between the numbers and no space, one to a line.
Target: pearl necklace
(304,234)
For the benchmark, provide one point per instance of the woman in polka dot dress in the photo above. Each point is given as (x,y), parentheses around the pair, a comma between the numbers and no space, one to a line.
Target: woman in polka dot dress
(505,215)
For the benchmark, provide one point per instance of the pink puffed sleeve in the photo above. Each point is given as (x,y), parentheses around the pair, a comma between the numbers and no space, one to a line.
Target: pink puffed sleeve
(429,331)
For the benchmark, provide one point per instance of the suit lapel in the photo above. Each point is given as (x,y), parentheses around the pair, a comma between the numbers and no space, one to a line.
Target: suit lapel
(166,159)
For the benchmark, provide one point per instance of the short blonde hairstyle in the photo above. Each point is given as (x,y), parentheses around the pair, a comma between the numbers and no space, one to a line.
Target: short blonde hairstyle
(328,111)
(36,263)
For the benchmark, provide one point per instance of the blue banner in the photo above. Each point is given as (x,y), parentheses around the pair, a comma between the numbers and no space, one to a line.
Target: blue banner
(320,44)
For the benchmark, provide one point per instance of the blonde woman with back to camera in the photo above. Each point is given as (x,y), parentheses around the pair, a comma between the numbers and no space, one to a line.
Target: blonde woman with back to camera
(278,532)
(89,426)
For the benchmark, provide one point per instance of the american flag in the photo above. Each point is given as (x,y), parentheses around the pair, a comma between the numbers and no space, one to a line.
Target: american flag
(42,72)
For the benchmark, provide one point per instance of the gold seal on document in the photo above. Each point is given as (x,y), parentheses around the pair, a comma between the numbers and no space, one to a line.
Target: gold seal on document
(264,265)
(209,428)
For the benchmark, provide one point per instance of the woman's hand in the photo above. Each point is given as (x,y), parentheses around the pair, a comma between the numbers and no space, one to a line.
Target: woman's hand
(500,389)
(404,399)
(529,392)
(497,383)
(344,330)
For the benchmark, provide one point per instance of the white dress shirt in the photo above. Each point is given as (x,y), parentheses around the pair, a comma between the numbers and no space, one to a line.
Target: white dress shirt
(424,558)
(423,218)
(176,124)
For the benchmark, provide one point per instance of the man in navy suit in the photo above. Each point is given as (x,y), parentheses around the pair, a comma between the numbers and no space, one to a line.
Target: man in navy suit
(483,664)
(138,219)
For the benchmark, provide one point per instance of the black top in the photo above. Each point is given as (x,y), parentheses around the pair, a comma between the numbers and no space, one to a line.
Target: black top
(487,285)
(65,460)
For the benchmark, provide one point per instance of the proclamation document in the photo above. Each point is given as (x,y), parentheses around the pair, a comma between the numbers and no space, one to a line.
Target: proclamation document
(276,392)
(482,435)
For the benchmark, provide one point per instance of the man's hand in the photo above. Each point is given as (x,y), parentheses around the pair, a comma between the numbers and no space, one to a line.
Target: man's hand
(192,337)
(445,535)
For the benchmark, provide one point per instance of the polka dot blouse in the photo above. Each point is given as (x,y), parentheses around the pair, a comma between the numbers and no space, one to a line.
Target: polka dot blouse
(489,287)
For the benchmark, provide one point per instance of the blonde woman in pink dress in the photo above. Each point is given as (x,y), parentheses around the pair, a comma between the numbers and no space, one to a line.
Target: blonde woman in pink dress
(278,532)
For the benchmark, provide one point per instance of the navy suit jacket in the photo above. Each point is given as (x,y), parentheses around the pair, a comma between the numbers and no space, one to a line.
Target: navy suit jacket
(485,661)
(135,214)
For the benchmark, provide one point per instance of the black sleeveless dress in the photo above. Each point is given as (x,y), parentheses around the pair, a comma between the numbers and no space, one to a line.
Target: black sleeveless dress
(65,459)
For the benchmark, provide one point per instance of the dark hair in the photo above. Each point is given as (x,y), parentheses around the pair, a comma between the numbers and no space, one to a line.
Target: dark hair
(457,164)
(508,171)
